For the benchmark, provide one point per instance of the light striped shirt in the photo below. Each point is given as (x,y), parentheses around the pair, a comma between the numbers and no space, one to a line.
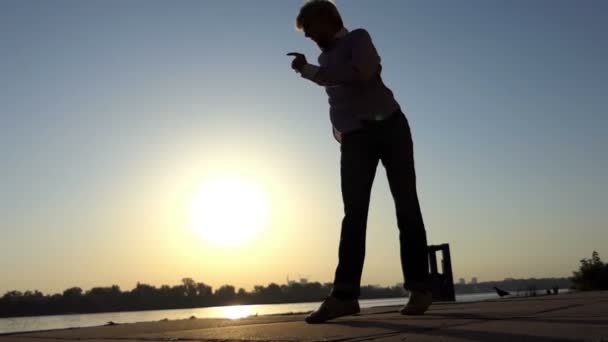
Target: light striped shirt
(350,71)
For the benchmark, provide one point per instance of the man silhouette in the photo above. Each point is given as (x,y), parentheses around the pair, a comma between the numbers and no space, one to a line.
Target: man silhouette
(370,126)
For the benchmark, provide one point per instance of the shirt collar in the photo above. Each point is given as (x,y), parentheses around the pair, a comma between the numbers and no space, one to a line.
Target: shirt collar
(343,31)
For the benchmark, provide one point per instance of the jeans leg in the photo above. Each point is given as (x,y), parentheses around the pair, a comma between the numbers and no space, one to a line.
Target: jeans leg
(358,163)
(398,159)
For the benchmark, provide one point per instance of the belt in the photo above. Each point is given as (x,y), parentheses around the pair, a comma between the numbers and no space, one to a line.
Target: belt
(376,119)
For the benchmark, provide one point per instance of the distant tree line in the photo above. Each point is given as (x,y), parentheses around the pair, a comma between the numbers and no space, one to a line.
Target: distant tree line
(515,286)
(592,275)
(189,294)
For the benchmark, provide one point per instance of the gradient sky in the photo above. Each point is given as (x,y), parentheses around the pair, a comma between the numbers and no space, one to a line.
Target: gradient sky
(113,113)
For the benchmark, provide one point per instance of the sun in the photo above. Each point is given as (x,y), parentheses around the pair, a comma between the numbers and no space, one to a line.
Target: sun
(229,211)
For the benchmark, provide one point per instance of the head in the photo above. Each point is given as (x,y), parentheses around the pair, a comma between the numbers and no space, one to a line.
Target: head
(320,21)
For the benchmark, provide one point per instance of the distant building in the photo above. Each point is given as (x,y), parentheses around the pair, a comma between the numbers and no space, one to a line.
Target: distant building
(461,281)
(474,280)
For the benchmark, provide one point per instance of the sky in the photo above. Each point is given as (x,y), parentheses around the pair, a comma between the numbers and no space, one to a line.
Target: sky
(117,117)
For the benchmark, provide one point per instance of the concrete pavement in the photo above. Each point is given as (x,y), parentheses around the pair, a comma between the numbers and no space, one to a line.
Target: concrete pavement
(566,317)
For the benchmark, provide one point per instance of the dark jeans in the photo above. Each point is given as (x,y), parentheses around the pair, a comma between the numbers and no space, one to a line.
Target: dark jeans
(389,141)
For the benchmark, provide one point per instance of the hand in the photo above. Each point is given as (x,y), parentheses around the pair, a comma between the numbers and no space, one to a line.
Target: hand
(298,62)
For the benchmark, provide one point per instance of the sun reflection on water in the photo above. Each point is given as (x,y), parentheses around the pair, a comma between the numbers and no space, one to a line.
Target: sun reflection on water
(237,311)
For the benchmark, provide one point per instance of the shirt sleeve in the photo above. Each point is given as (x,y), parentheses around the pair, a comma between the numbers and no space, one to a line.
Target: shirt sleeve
(363,64)
(337,135)
(309,71)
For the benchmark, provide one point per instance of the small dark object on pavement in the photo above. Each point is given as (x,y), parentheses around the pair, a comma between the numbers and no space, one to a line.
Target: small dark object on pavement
(500,292)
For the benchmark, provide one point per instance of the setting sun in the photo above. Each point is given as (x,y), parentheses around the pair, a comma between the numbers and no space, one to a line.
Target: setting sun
(229,211)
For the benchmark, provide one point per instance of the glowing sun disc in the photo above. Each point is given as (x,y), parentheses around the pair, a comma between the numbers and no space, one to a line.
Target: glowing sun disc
(229,211)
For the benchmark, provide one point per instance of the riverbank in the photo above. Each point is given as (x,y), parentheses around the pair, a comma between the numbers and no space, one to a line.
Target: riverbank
(571,316)
(38,323)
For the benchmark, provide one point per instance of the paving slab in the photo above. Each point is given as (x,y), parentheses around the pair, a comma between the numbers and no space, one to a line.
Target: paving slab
(565,317)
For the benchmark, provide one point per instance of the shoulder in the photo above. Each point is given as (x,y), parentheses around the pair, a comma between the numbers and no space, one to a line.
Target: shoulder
(359,37)
(359,33)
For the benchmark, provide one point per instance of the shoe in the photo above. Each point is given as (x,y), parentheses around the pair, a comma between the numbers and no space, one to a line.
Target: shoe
(333,307)
(419,302)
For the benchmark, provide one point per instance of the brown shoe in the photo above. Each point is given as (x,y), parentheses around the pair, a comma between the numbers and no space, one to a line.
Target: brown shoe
(333,307)
(419,302)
